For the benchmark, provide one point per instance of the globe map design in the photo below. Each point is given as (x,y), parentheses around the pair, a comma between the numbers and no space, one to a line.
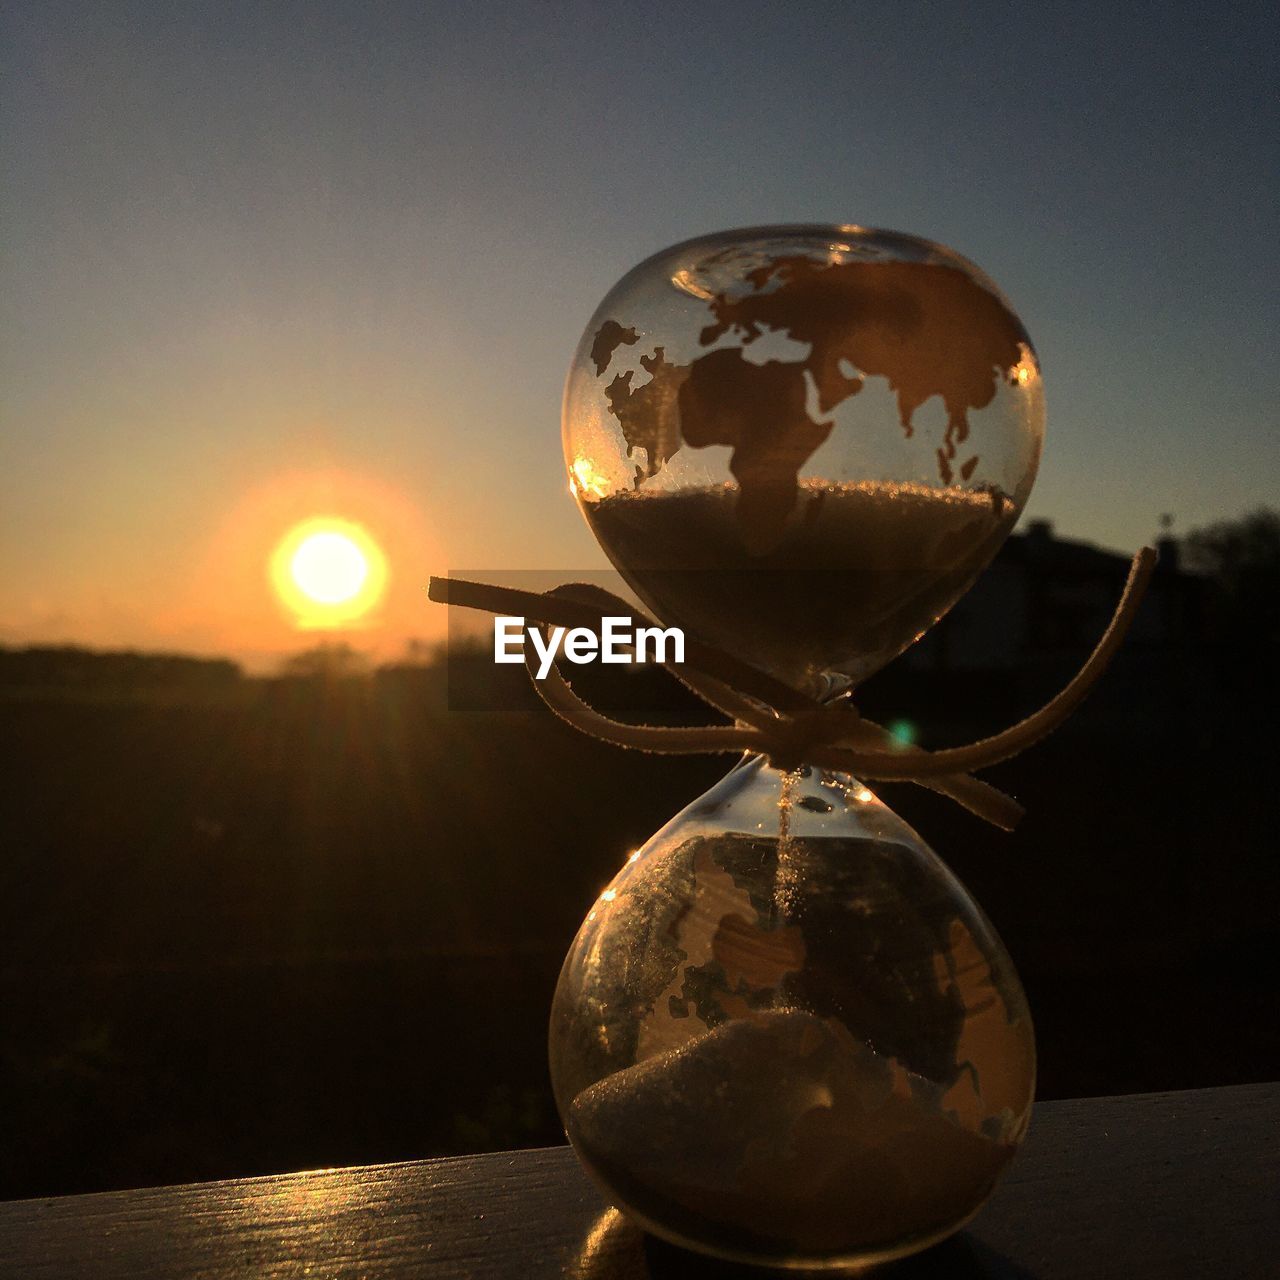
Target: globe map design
(927,328)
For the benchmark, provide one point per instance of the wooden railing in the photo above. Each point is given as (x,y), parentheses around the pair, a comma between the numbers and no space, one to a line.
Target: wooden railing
(1166,1186)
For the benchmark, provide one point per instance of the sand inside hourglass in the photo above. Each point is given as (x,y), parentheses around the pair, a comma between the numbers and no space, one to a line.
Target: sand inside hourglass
(835,1071)
(860,569)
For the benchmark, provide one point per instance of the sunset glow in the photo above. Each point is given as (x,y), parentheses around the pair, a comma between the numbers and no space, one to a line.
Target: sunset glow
(328,573)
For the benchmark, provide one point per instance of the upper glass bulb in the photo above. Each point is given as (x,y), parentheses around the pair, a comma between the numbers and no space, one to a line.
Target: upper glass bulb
(803,443)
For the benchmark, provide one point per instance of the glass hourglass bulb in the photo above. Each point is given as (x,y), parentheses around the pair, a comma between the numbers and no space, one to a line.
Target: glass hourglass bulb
(803,443)
(800,1049)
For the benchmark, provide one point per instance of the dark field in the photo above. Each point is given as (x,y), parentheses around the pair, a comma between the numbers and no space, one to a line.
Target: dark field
(271,925)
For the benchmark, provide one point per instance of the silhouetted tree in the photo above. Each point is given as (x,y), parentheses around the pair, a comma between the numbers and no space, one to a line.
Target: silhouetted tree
(1242,557)
(328,661)
(73,667)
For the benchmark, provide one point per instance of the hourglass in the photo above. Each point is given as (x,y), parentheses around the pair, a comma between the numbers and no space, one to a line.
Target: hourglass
(785,1033)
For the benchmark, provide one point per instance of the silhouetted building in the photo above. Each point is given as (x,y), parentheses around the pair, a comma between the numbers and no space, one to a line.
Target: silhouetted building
(1032,618)
(1045,597)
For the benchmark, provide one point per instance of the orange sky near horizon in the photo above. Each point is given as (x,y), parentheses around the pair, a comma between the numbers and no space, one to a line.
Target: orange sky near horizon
(234,602)
(222,601)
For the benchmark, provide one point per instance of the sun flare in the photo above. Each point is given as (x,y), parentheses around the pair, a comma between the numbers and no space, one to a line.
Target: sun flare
(328,572)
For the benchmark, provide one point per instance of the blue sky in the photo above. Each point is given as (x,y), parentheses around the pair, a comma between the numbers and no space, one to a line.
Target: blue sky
(259,253)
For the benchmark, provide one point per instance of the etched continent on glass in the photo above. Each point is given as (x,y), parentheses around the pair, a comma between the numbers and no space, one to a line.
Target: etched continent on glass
(803,1050)
(860,408)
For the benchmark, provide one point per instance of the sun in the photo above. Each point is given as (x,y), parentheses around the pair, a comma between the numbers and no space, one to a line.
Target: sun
(328,572)
(329,568)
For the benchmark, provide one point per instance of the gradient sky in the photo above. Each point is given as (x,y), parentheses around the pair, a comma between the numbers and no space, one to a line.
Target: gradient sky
(265,261)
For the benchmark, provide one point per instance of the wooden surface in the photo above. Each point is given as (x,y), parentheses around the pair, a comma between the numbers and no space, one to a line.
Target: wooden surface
(1153,1185)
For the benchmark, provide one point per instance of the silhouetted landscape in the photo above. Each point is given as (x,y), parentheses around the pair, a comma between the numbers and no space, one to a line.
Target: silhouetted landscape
(259,924)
